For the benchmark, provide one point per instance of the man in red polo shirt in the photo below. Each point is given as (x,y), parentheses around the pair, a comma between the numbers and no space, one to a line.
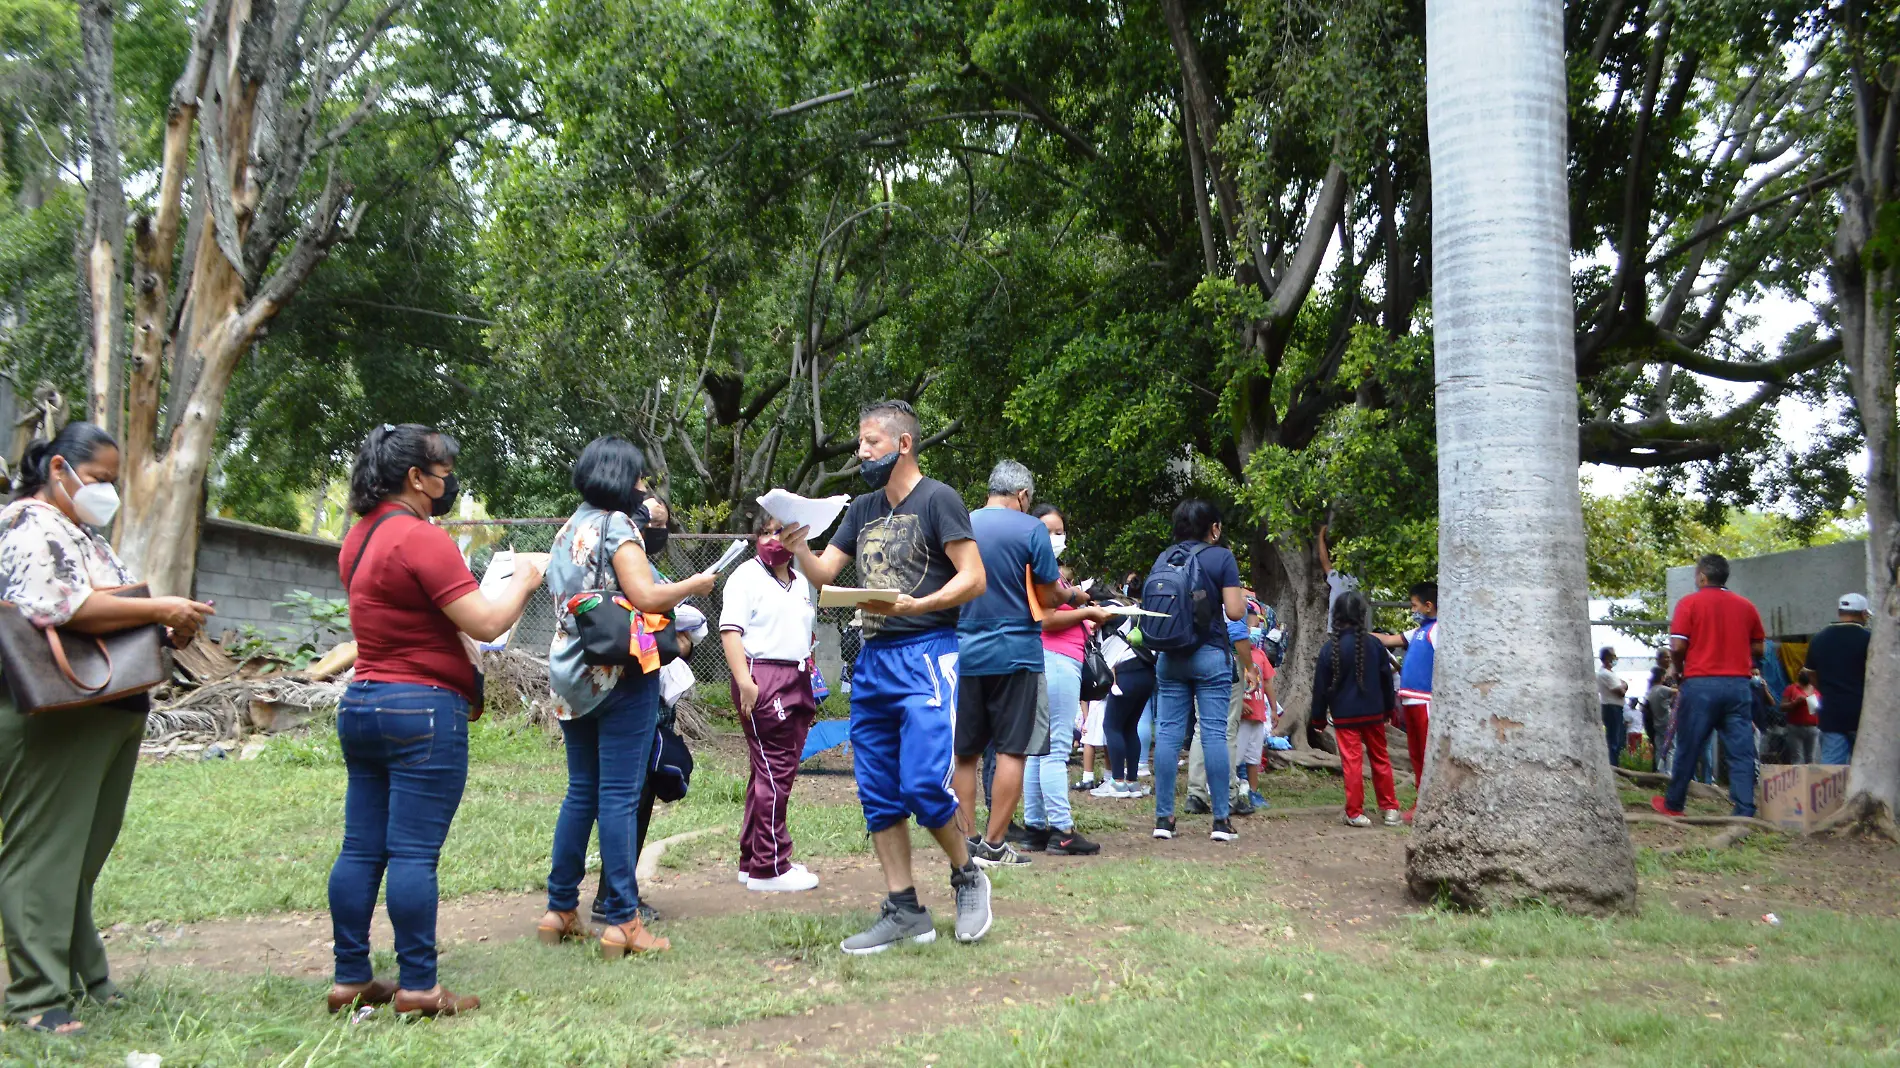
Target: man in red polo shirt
(1714,638)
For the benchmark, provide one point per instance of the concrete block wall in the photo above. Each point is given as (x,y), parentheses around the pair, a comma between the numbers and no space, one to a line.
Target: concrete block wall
(248,568)
(1797,592)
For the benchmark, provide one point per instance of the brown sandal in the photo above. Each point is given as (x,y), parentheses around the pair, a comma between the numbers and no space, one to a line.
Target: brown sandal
(631,937)
(557,927)
(374,992)
(438,1002)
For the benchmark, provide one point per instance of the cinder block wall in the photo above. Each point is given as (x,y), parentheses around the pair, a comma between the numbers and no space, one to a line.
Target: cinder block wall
(247,568)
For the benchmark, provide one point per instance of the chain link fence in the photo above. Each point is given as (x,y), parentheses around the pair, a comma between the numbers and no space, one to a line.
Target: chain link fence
(838,640)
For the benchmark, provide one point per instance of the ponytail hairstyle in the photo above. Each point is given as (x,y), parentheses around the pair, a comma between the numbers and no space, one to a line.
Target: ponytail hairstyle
(76,443)
(1349,618)
(382,464)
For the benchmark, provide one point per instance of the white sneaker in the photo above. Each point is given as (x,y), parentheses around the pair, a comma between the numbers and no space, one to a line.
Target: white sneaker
(1392,817)
(1109,788)
(744,878)
(1142,772)
(794,879)
(1361,820)
(1134,791)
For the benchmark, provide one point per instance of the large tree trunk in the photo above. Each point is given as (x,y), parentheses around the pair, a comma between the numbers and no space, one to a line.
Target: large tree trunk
(1866,289)
(1521,804)
(103,253)
(247,106)
(1289,577)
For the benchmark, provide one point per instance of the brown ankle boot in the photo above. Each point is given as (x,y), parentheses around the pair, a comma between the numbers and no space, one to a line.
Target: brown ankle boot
(630,937)
(374,992)
(438,1002)
(558,927)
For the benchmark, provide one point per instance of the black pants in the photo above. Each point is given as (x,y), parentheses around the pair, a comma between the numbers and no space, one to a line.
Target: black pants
(1614,732)
(1134,684)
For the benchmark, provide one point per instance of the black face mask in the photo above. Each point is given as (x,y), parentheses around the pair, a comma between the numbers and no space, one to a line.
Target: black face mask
(439,506)
(655,539)
(877,473)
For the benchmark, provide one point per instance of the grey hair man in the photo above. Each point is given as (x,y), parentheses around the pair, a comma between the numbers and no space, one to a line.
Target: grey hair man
(1000,696)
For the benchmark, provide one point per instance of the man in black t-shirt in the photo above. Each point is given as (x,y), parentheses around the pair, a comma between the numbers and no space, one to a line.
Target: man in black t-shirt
(1837,658)
(911,534)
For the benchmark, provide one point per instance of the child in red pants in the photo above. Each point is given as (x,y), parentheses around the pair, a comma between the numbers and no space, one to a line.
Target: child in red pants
(1415,676)
(1354,689)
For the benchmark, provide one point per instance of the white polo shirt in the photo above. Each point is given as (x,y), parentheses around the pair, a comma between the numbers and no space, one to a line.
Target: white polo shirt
(773,620)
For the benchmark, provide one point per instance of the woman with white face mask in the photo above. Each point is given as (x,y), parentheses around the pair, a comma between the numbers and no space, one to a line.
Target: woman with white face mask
(65,775)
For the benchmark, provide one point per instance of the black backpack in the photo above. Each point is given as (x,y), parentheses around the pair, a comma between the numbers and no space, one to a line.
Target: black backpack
(1174,590)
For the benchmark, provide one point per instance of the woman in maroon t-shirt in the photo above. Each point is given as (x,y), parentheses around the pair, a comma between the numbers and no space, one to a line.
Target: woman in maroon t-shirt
(403,722)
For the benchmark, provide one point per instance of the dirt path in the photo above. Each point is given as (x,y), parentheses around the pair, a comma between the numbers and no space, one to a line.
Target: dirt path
(1339,883)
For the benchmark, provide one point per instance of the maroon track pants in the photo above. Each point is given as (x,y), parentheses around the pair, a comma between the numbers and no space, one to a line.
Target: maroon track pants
(775,739)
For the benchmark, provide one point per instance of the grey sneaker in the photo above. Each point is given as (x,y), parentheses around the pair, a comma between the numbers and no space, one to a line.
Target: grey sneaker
(989,856)
(894,925)
(972,888)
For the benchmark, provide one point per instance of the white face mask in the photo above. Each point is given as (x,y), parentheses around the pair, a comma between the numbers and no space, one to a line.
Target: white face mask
(95,503)
(1058,542)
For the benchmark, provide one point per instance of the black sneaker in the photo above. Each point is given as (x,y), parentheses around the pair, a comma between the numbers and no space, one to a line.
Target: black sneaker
(1194,806)
(1037,841)
(1016,835)
(1087,782)
(1241,806)
(1164,826)
(998,856)
(1223,831)
(1071,844)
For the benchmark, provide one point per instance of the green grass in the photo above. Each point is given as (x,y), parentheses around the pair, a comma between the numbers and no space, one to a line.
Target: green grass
(1173,963)
(1527,987)
(225,837)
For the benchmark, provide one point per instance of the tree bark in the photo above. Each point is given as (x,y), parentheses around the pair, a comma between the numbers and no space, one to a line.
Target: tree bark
(1518,801)
(1291,579)
(1866,289)
(104,241)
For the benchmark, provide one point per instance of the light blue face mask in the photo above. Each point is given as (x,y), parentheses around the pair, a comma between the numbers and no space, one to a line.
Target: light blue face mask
(1419,618)
(1258,634)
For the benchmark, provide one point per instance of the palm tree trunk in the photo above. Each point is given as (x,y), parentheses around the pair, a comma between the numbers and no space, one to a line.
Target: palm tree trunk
(1519,802)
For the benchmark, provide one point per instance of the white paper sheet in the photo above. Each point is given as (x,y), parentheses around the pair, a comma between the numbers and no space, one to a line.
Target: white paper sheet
(675,679)
(501,570)
(730,556)
(1131,610)
(792,510)
(853,596)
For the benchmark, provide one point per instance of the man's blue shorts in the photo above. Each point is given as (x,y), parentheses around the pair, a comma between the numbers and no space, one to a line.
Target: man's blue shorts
(903,728)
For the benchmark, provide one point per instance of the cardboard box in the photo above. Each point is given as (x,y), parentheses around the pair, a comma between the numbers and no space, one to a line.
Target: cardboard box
(1800,797)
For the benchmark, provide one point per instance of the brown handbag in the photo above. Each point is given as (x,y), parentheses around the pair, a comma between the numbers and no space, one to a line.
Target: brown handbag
(54,668)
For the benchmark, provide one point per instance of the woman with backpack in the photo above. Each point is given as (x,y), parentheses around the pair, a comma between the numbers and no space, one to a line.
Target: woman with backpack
(1194,581)
(1353,686)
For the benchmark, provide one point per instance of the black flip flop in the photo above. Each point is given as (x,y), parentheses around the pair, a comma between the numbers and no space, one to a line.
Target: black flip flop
(52,1020)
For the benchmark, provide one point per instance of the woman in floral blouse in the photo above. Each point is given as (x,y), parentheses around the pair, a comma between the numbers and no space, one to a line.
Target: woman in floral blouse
(607,713)
(65,775)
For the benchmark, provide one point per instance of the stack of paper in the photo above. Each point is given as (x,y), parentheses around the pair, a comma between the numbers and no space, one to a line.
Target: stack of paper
(793,511)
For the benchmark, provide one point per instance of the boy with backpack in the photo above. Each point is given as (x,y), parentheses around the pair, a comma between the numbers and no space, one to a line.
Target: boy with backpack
(1415,677)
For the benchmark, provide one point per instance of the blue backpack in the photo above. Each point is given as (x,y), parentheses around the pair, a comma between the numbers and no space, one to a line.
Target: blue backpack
(1174,589)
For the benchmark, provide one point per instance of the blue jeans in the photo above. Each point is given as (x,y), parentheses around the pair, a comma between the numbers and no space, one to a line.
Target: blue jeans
(1046,778)
(1199,683)
(1613,731)
(608,753)
(1145,730)
(406,748)
(1708,705)
(1837,747)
